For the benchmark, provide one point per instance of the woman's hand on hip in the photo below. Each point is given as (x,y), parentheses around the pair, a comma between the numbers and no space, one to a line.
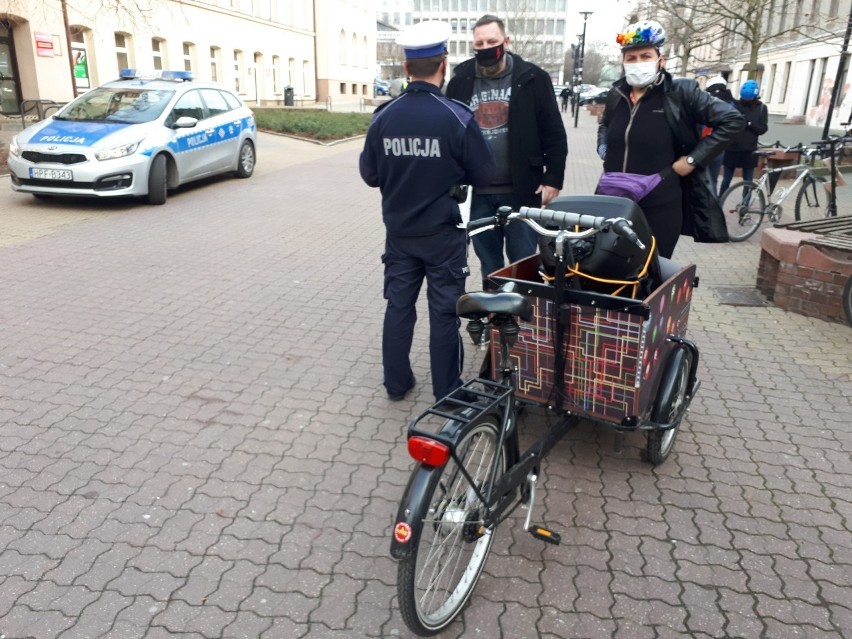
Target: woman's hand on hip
(682,167)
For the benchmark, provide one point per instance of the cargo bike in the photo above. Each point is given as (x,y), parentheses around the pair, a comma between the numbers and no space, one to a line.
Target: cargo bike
(598,311)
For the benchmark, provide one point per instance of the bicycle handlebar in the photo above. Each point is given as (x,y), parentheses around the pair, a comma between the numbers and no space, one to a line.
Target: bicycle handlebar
(562,219)
(536,217)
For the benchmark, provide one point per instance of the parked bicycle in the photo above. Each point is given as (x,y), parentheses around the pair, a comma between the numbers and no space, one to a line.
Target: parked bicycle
(568,333)
(745,204)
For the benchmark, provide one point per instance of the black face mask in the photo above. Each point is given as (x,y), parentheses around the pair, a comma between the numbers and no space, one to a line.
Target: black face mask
(491,56)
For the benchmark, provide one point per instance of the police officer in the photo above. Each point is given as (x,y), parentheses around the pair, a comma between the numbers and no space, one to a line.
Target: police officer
(420,146)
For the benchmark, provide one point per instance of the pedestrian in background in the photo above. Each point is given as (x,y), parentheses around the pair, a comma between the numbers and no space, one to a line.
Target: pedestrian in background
(420,146)
(565,95)
(717,87)
(514,104)
(740,154)
(651,126)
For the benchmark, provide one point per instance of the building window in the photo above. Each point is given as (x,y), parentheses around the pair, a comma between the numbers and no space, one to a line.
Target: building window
(276,74)
(773,74)
(342,88)
(122,50)
(81,59)
(214,63)
(306,76)
(785,81)
(157,49)
(342,45)
(291,72)
(188,51)
(238,69)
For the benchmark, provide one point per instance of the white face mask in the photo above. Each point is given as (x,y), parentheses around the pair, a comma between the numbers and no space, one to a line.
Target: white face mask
(641,74)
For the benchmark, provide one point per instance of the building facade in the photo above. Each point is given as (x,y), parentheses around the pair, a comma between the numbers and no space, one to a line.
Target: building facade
(321,49)
(796,69)
(537,28)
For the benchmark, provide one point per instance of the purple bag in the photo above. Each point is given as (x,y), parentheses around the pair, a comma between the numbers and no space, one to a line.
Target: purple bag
(630,185)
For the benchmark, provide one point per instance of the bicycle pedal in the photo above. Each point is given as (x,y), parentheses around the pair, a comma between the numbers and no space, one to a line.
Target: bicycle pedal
(546,535)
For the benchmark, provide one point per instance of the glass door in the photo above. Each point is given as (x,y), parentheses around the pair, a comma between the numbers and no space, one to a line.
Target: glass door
(10,96)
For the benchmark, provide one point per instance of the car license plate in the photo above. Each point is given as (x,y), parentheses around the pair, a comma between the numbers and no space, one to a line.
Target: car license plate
(51,174)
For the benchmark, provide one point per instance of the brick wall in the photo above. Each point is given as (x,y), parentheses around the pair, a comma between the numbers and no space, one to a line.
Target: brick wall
(802,278)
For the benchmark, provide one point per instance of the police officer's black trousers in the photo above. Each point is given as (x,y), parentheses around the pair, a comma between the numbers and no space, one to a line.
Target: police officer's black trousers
(442,259)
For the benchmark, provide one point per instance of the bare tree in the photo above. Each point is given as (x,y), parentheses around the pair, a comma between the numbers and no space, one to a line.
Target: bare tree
(732,26)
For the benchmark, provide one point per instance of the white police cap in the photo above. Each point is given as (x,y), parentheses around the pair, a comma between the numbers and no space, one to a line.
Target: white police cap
(425,39)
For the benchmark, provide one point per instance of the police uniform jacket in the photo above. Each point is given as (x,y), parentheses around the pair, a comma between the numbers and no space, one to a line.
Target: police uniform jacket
(538,145)
(418,146)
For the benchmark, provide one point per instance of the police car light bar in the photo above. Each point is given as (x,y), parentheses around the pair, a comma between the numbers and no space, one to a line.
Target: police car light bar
(155,74)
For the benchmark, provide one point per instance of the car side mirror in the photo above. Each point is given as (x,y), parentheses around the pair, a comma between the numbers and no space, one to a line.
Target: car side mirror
(184,122)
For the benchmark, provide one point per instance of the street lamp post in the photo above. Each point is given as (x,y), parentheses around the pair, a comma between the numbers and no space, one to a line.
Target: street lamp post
(585,15)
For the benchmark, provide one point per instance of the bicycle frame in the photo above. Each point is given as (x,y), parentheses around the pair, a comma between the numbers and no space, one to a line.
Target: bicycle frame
(803,170)
(470,473)
(500,493)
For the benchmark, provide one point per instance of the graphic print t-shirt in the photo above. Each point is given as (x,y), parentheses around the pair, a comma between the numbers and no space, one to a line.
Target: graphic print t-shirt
(490,102)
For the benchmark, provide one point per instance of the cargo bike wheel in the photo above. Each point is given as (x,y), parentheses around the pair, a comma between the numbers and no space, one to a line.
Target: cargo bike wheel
(435,580)
(670,405)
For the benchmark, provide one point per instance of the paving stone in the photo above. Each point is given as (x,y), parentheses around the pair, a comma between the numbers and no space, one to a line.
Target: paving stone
(196,441)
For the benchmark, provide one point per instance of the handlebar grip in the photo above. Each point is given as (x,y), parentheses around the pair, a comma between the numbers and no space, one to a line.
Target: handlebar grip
(482,222)
(562,219)
(622,227)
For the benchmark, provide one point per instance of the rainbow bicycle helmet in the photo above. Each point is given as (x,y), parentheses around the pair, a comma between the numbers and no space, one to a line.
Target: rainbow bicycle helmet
(645,33)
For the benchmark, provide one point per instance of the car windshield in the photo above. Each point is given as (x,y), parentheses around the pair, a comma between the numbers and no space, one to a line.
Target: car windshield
(124,105)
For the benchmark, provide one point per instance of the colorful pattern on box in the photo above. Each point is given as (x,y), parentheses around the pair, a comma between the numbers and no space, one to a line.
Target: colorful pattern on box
(613,358)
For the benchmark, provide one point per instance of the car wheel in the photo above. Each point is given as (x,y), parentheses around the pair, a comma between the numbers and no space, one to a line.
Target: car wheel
(246,160)
(157,180)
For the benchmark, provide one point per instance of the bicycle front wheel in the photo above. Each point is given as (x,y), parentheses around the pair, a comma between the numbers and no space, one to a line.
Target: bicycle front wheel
(743,205)
(813,201)
(436,579)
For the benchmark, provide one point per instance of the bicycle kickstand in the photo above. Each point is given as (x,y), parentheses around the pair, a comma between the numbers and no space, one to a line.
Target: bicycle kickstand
(539,532)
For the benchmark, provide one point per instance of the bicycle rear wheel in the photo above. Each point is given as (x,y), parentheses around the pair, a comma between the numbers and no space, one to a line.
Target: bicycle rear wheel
(743,205)
(436,579)
(813,201)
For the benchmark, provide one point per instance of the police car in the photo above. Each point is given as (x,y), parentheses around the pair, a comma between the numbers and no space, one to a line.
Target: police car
(140,135)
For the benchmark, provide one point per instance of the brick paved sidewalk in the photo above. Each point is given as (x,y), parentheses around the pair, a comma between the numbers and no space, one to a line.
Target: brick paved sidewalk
(195,442)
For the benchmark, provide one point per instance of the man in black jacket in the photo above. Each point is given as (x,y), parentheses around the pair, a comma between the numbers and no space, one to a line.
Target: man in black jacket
(516,109)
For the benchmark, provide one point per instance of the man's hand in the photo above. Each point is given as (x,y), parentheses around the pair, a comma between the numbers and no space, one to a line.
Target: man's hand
(682,167)
(547,193)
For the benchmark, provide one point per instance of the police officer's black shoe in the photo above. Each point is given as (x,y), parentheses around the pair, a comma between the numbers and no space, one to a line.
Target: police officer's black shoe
(398,397)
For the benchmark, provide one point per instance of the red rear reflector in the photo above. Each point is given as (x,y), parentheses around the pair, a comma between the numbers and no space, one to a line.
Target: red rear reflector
(402,532)
(428,451)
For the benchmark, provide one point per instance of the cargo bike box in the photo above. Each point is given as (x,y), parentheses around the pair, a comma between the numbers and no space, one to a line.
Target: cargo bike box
(616,347)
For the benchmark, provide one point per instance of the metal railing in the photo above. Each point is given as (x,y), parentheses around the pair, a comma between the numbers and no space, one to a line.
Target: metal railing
(41,109)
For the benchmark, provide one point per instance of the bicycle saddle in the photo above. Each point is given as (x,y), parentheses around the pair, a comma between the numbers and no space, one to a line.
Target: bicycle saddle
(501,302)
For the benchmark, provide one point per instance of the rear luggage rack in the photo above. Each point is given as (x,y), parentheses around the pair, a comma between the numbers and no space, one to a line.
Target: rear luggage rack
(470,400)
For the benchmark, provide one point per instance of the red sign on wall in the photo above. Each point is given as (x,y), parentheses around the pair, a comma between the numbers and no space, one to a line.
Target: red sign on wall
(44,44)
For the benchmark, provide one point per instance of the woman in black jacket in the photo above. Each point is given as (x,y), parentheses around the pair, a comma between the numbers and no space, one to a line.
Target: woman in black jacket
(740,155)
(651,125)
